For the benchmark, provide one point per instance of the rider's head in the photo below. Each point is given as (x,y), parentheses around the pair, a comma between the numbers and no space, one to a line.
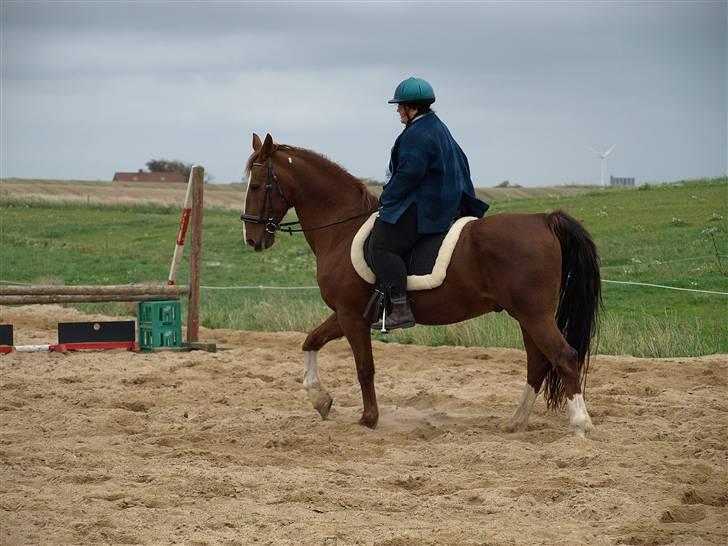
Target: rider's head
(413,97)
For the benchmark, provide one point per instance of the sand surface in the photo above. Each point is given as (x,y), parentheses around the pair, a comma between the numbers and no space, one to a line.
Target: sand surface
(197,448)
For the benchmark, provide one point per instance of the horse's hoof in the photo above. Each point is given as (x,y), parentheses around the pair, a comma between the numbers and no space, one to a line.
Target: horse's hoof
(369,422)
(584,430)
(514,427)
(323,406)
(588,426)
(580,433)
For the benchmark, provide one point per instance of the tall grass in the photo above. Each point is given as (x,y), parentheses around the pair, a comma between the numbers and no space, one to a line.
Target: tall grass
(641,334)
(674,235)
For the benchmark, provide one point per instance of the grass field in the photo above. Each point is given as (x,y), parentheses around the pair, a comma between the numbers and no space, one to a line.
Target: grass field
(674,235)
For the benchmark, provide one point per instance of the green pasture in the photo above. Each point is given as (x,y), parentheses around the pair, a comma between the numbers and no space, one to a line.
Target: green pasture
(673,234)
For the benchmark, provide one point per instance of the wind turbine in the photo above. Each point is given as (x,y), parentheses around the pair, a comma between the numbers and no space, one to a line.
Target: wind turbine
(603,157)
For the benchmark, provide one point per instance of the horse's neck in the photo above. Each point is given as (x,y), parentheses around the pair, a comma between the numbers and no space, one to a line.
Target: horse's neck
(328,195)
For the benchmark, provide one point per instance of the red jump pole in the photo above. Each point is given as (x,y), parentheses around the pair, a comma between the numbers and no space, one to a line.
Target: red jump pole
(183,223)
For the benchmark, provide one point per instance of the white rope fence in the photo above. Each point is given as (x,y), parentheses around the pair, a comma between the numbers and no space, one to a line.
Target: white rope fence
(261,287)
(658,262)
(667,287)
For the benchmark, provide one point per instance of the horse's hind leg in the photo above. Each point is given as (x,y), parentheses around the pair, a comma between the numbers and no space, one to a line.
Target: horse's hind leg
(325,332)
(538,367)
(547,337)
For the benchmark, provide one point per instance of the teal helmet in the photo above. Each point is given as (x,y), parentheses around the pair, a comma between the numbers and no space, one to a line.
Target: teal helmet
(414,91)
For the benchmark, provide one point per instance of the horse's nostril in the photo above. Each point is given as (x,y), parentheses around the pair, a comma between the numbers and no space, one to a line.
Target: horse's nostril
(249,242)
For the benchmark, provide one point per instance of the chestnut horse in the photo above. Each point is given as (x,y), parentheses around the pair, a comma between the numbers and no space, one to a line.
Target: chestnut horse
(542,269)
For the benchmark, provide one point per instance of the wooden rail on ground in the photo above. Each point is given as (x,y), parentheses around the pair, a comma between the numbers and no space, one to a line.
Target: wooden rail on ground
(13,295)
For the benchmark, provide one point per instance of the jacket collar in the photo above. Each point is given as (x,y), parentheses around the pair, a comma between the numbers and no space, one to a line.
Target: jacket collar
(416,118)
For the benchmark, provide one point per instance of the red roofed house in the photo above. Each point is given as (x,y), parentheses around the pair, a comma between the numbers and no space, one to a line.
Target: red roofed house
(141,176)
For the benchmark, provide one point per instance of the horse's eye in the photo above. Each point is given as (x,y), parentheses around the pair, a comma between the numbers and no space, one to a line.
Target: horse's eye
(254,187)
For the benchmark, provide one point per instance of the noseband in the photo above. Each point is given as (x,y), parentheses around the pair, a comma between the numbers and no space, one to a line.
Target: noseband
(266,214)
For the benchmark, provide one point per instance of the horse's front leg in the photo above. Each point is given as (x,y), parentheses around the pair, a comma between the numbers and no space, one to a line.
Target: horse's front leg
(325,332)
(356,330)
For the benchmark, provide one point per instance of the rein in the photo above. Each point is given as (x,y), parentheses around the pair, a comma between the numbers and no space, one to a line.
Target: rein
(291,231)
(271,226)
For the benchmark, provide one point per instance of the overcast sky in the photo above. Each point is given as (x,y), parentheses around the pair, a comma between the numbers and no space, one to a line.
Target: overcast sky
(90,88)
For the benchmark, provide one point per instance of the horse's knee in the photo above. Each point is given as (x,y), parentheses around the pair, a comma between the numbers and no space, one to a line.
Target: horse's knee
(325,332)
(316,340)
(311,345)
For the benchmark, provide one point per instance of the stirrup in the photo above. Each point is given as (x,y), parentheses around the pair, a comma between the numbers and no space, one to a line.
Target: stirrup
(400,306)
(380,325)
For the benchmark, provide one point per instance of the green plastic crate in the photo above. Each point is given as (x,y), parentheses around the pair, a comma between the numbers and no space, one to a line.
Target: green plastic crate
(159,313)
(160,324)
(159,338)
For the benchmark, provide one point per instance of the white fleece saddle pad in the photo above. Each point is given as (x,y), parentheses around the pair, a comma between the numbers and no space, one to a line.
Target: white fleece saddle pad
(414,282)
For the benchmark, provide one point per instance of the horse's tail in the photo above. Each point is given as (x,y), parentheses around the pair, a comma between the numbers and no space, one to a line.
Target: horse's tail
(580,298)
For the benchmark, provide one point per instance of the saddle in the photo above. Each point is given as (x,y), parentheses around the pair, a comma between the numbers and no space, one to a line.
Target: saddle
(426,262)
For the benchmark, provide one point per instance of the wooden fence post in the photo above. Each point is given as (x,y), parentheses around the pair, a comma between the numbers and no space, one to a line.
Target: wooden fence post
(193,308)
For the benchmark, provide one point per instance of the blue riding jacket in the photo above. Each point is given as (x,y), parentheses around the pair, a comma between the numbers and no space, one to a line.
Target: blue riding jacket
(429,168)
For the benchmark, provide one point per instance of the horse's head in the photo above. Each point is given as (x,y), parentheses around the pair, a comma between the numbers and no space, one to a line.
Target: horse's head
(266,202)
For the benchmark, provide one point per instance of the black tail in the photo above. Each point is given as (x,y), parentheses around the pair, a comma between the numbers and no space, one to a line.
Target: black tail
(580,298)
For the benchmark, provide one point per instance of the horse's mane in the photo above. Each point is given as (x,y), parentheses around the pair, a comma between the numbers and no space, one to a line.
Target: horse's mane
(337,171)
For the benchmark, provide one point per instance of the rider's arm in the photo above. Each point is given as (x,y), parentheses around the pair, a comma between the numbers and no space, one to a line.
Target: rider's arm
(410,170)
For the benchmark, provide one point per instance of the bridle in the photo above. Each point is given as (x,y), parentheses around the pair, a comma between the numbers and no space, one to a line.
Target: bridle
(266,213)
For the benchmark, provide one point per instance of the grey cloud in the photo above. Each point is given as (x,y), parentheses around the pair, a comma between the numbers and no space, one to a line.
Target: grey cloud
(525,86)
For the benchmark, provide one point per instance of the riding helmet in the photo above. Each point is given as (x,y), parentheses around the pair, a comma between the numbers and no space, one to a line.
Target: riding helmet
(413,91)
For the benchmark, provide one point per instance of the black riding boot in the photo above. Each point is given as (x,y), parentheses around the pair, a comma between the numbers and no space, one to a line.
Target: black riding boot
(400,317)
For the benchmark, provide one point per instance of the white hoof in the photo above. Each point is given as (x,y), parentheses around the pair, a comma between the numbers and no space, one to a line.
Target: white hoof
(578,416)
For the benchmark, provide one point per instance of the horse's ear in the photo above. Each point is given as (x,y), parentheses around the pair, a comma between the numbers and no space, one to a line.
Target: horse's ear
(267,146)
(257,144)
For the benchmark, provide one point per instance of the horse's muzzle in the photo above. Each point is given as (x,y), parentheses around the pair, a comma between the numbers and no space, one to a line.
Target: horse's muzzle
(264,242)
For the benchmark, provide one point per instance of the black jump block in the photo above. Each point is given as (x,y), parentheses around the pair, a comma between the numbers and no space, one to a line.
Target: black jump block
(98,331)
(6,334)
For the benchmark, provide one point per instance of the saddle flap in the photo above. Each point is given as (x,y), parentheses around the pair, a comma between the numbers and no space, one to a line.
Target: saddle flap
(426,262)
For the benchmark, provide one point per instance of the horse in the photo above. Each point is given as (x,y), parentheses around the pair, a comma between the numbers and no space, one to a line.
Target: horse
(542,269)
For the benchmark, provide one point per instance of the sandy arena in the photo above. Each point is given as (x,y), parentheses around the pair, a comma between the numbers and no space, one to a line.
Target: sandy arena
(121,448)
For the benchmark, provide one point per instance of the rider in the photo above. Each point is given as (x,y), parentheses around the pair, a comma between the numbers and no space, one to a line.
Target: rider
(429,187)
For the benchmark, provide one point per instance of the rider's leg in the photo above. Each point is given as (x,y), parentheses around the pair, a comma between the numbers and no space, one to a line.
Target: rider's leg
(387,244)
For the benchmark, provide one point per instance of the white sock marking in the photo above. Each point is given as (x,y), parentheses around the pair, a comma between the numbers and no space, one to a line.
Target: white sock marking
(578,416)
(320,399)
(528,398)
(311,381)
